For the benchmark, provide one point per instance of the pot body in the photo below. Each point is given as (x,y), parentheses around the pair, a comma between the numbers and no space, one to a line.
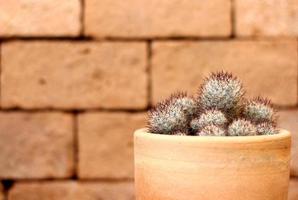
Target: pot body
(171,167)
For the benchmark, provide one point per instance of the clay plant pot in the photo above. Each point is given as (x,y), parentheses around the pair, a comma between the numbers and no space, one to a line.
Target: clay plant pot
(169,167)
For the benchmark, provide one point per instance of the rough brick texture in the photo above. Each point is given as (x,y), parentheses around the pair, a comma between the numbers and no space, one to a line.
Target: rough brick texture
(157,18)
(267,68)
(289,121)
(266,17)
(106,144)
(74,75)
(36,145)
(27,18)
(71,191)
(293,189)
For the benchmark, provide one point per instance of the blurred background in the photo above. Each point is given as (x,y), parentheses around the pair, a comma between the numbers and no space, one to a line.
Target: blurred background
(77,77)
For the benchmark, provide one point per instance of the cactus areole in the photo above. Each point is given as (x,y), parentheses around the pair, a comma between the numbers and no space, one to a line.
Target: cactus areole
(215,145)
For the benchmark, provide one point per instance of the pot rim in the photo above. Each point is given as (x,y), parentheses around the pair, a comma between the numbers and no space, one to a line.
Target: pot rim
(143,133)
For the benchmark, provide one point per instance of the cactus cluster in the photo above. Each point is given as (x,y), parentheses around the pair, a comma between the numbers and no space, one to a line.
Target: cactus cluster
(219,109)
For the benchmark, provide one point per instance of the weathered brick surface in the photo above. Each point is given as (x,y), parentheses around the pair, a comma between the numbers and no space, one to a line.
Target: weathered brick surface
(106,144)
(39,18)
(267,68)
(157,18)
(289,121)
(74,74)
(71,191)
(293,189)
(266,17)
(36,145)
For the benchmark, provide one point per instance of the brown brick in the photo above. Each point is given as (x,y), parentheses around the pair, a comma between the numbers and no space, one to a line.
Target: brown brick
(36,145)
(267,17)
(267,68)
(39,18)
(289,121)
(293,189)
(157,18)
(70,190)
(74,75)
(106,144)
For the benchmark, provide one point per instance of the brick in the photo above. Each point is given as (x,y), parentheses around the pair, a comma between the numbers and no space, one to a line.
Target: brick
(70,190)
(157,18)
(106,144)
(74,75)
(267,17)
(39,18)
(293,189)
(267,68)
(36,145)
(289,120)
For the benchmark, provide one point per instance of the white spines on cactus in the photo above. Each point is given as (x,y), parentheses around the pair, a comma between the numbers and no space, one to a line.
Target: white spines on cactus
(220,109)
(221,91)
(194,125)
(166,119)
(211,130)
(209,117)
(266,128)
(187,104)
(172,115)
(241,127)
(259,110)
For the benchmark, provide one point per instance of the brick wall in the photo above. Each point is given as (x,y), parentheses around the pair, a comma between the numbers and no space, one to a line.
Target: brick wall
(77,77)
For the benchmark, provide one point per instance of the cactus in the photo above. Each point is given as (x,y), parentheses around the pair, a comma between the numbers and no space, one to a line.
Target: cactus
(266,128)
(219,110)
(172,115)
(259,110)
(241,127)
(187,104)
(211,130)
(209,117)
(221,91)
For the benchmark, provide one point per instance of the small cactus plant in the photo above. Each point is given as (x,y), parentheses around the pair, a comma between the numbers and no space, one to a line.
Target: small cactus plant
(241,127)
(187,104)
(221,91)
(211,130)
(172,115)
(266,128)
(209,117)
(259,110)
(219,110)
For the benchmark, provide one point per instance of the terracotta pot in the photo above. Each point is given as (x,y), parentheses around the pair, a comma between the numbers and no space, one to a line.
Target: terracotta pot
(171,167)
